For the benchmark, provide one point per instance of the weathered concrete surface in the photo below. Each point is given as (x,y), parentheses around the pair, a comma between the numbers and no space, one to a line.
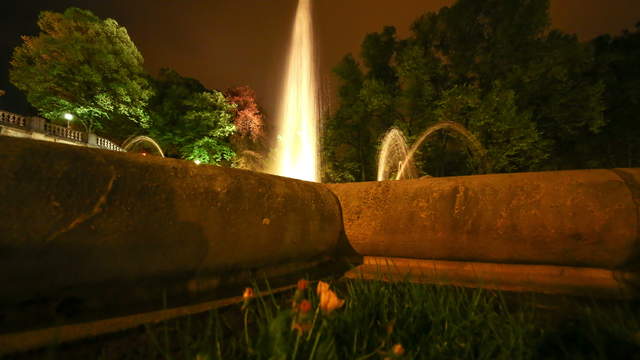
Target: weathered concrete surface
(572,218)
(85,222)
(546,279)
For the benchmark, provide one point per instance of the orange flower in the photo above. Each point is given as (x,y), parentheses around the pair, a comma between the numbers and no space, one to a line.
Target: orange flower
(397,350)
(322,287)
(248,293)
(299,294)
(302,284)
(305,306)
(302,321)
(246,297)
(329,301)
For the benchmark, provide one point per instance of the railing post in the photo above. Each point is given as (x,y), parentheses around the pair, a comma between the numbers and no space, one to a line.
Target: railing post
(35,124)
(92,139)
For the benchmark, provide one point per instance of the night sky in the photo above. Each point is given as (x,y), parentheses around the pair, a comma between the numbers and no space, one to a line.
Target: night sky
(224,43)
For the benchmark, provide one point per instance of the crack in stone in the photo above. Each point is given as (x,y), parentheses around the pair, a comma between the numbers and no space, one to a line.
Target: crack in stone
(97,208)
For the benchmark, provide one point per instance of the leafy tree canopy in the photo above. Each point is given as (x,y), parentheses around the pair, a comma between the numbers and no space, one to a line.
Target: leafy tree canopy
(250,139)
(492,65)
(85,66)
(617,60)
(190,121)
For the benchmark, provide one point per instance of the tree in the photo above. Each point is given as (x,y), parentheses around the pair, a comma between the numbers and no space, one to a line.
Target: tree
(345,141)
(511,139)
(249,140)
(189,121)
(617,59)
(367,109)
(528,93)
(247,118)
(485,42)
(85,66)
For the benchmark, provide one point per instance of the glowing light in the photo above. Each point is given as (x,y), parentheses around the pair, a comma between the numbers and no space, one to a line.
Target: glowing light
(296,150)
(144,154)
(197,162)
(68,116)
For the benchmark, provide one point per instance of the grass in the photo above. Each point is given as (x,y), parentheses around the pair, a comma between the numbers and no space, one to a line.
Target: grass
(429,322)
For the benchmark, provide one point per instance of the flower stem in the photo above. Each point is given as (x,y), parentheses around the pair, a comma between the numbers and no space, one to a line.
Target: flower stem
(315,343)
(295,348)
(246,330)
(313,323)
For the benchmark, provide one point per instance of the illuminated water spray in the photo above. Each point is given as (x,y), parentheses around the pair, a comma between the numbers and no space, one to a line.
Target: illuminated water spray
(296,150)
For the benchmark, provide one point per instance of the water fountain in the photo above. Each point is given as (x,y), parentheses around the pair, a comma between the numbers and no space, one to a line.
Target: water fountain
(137,141)
(295,154)
(393,150)
(296,150)
(80,225)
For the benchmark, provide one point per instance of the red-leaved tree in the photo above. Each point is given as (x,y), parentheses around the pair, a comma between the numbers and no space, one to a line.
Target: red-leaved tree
(248,119)
(249,138)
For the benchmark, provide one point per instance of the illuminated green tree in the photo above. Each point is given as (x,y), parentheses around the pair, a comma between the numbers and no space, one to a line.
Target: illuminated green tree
(85,66)
(190,121)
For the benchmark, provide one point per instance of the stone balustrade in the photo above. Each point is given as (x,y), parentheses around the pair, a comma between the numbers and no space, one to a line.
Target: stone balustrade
(63,132)
(106,144)
(39,125)
(12,119)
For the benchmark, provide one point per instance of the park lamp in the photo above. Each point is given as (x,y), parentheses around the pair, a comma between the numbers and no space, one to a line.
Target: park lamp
(68,117)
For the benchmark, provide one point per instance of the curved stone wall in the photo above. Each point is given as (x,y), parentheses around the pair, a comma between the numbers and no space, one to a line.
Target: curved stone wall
(89,229)
(74,219)
(575,218)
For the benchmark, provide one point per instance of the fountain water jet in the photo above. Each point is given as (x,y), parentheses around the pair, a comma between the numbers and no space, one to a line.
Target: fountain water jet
(296,150)
(393,152)
(470,140)
(132,142)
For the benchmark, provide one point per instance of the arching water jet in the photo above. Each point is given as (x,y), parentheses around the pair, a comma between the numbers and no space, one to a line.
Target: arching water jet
(132,143)
(470,140)
(393,152)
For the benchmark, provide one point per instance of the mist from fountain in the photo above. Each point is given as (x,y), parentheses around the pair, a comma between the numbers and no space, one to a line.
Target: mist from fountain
(132,143)
(296,151)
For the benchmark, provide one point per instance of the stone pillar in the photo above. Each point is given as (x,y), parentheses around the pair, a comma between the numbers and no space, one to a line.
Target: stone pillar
(36,124)
(92,139)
